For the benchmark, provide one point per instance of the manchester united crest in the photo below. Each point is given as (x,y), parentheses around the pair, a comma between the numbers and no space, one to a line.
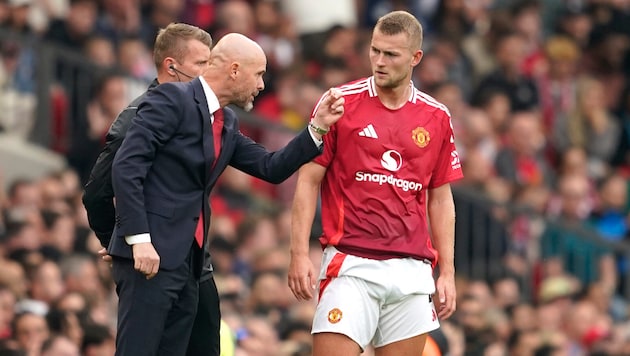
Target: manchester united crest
(334,315)
(420,136)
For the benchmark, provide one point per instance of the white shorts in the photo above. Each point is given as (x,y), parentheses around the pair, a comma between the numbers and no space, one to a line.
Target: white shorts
(374,301)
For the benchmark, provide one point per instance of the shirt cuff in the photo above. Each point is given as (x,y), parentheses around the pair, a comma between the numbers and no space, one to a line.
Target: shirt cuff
(139,238)
(318,142)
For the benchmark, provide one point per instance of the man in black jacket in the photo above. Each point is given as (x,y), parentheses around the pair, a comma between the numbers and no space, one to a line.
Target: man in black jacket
(181,53)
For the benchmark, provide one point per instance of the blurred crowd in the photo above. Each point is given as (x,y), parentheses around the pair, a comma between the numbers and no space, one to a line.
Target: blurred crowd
(539,93)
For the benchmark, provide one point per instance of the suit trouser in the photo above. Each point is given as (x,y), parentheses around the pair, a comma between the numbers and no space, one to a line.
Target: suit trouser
(205,338)
(155,316)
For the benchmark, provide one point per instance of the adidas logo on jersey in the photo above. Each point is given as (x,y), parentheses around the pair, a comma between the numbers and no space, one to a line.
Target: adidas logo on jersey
(368,132)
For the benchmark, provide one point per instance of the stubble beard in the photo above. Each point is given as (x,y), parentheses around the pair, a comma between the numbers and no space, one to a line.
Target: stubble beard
(389,82)
(248,106)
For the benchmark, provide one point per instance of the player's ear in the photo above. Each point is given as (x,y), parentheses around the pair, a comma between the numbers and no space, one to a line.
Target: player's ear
(417,57)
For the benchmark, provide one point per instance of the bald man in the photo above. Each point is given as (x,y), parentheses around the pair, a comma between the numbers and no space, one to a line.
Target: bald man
(177,145)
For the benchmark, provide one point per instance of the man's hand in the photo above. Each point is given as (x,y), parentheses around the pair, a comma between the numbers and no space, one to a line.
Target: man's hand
(330,109)
(445,296)
(302,277)
(105,256)
(146,259)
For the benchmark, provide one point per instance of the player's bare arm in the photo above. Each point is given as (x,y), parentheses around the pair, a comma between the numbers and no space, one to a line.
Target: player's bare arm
(441,209)
(302,274)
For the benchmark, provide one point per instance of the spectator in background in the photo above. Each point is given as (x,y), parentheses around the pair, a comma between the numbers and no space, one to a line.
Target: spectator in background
(589,125)
(451,19)
(508,77)
(557,85)
(314,20)
(107,101)
(431,73)
(574,161)
(45,282)
(276,34)
(17,102)
(18,17)
(5,13)
(75,29)
(459,67)
(480,46)
(7,311)
(119,19)
(560,239)
(100,51)
(97,341)
(59,345)
(527,19)
(575,22)
(605,60)
(161,13)
(135,59)
(30,330)
(235,16)
(610,217)
(477,136)
(521,159)
(496,105)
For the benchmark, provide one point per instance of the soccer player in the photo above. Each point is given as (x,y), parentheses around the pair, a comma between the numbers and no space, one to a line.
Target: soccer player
(385,177)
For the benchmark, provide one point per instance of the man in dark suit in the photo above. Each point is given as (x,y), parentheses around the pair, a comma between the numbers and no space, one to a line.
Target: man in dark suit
(162,175)
(181,53)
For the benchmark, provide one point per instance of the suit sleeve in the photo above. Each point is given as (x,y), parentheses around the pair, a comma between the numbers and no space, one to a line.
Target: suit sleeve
(98,194)
(155,123)
(273,167)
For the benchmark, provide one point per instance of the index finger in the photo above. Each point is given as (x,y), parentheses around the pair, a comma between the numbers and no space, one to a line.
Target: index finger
(335,93)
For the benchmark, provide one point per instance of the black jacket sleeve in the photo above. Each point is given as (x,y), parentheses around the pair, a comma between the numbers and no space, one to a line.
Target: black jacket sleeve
(98,195)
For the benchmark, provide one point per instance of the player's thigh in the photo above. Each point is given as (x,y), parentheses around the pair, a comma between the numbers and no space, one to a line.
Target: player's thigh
(404,319)
(347,307)
(333,344)
(408,347)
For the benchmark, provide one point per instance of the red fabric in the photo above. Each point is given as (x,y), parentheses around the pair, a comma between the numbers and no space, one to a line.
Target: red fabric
(217,127)
(199,230)
(373,195)
(528,171)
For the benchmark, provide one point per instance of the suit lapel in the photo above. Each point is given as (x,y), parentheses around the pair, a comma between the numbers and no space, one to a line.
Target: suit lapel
(206,128)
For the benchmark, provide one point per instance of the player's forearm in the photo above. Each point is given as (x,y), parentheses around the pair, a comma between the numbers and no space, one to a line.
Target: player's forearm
(303,213)
(442,220)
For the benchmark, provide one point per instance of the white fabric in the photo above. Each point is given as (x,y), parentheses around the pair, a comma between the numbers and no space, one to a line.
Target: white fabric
(378,302)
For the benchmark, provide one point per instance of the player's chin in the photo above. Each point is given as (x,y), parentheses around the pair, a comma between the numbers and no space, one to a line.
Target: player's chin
(382,80)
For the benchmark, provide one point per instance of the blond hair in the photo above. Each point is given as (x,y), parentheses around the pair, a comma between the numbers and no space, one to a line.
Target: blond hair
(397,22)
(562,48)
(172,41)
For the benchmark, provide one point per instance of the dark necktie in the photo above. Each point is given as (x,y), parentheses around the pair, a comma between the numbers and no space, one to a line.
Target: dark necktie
(217,127)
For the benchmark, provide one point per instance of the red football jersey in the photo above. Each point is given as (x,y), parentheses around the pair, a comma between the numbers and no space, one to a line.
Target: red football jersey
(379,164)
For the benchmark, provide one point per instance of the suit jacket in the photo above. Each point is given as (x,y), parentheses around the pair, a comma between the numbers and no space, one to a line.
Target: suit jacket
(98,194)
(162,174)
